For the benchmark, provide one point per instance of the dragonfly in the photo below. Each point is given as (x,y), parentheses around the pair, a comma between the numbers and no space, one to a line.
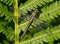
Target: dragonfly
(30,22)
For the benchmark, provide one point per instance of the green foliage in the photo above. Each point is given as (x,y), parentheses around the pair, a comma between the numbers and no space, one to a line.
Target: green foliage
(48,35)
(29,5)
(50,12)
(5,12)
(41,30)
(7,2)
(8,32)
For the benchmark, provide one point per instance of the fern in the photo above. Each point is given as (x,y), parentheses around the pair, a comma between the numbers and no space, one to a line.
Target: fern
(29,5)
(7,2)
(47,35)
(50,12)
(4,12)
(8,33)
(45,15)
(13,25)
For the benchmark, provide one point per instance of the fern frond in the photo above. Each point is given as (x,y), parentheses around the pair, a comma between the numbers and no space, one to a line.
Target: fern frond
(4,12)
(32,4)
(7,2)
(8,32)
(50,12)
(47,15)
(48,35)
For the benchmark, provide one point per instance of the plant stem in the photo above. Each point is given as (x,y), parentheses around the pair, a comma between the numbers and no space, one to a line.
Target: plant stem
(16,23)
